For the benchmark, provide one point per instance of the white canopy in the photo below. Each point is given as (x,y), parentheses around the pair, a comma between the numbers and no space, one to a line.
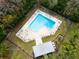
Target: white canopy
(43,49)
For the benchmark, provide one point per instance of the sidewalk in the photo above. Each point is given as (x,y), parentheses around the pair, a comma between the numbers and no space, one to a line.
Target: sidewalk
(38,41)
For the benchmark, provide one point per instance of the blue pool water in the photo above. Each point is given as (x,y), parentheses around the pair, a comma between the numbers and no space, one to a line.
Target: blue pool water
(41,21)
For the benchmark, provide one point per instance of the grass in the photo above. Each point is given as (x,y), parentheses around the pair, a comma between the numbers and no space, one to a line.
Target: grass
(18,54)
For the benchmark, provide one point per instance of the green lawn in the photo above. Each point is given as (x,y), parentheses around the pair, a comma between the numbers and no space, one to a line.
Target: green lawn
(18,54)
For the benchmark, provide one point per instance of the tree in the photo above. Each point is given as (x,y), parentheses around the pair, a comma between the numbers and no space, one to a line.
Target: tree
(2,32)
(7,18)
(4,50)
(49,3)
(72,7)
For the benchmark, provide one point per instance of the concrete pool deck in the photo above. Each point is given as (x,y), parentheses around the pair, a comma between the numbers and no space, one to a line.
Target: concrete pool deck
(27,34)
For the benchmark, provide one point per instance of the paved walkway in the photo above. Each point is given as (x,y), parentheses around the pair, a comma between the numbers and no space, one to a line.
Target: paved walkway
(38,40)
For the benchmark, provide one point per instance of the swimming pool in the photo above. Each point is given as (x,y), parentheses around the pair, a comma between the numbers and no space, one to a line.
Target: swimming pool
(41,21)
(40,24)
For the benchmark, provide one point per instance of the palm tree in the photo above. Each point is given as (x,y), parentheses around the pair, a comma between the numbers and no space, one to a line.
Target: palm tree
(72,7)
(52,3)
(49,3)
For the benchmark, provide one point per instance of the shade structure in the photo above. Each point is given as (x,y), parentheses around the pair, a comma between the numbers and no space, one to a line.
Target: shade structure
(43,49)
